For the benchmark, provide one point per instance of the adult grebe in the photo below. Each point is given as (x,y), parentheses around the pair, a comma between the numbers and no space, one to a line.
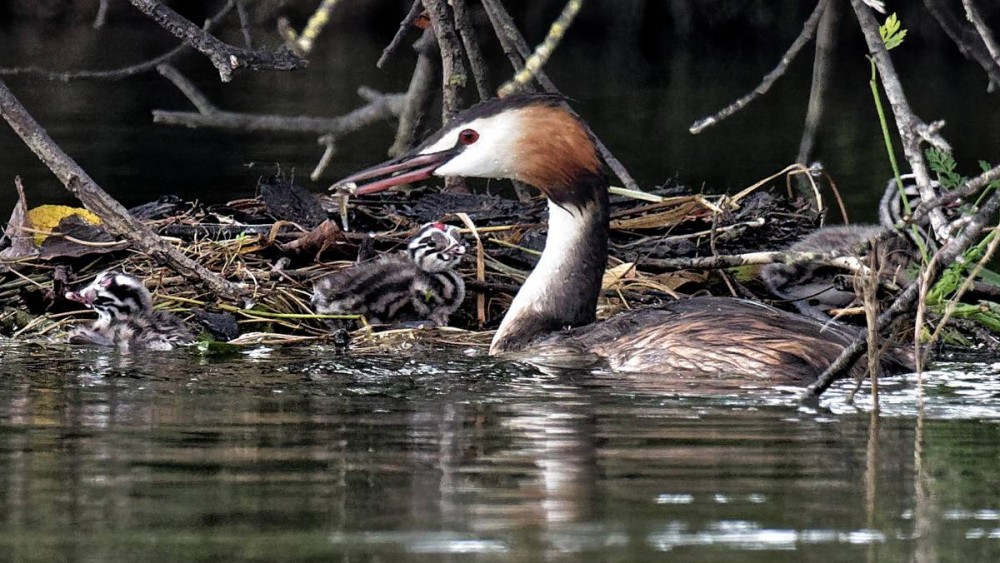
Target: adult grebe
(537,139)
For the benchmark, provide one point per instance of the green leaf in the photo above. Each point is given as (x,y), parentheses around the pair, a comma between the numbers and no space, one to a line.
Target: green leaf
(944,165)
(891,33)
(986,167)
(990,277)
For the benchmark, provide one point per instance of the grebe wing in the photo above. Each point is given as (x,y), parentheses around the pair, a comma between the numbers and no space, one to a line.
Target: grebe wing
(719,336)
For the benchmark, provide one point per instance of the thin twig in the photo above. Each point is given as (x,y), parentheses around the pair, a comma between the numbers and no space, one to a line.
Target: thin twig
(826,44)
(808,29)
(397,40)
(966,190)
(102,14)
(467,31)
(382,107)
(454,75)
(120,73)
(516,49)
(719,261)
(984,32)
(190,91)
(302,44)
(419,95)
(534,63)
(241,12)
(968,43)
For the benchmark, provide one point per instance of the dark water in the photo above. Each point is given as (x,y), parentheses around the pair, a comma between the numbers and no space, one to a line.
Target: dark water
(296,454)
(299,455)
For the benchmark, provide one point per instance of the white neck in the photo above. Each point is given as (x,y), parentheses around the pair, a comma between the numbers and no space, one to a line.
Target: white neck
(562,289)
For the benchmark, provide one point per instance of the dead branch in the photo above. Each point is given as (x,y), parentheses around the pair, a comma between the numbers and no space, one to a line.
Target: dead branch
(302,44)
(808,30)
(517,51)
(419,95)
(719,261)
(826,44)
(454,75)
(397,40)
(102,13)
(241,12)
(969,44)
(224,57)
(467,31)
(115,217)
(209,115)
(984,32)
(907,123)
(969,189)
(540,56)
(120,73)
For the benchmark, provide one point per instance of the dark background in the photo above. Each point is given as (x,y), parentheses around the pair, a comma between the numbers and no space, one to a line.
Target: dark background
(641,72)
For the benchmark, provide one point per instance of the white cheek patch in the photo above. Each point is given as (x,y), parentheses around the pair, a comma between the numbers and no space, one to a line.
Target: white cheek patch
(493,155)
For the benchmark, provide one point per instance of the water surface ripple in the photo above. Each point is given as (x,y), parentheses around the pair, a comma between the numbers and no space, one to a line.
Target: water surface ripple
(299,454)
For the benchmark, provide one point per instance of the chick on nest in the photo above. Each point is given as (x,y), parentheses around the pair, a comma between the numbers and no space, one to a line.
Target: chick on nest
(421,285)
(125,316)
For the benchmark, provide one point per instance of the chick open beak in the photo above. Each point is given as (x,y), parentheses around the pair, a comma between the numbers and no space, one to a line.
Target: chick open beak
(402,170)
(84,297)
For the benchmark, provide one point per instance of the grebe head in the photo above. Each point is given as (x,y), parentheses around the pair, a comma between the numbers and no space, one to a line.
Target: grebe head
(532,138)
(436,247)
(115,296)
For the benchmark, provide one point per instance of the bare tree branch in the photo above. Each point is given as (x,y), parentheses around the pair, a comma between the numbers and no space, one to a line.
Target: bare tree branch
(115,217)
(826,43)
(397,39)
(718,261)
(209,115)
(984,32)
(808,30)
(517,51)
(419,95)
(463,22)
(120,73)
(453,72)
(968,43)
(224,57)
(454,75)
(908,124)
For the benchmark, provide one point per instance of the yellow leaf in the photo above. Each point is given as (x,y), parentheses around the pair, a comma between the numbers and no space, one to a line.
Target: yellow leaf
(44,218)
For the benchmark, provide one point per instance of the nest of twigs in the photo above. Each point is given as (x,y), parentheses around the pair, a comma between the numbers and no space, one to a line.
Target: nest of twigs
(279,242)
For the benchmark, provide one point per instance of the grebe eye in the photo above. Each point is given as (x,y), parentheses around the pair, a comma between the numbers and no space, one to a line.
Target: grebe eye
(468,136)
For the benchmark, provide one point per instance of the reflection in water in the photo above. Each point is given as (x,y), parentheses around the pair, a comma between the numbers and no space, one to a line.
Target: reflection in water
(298,454)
